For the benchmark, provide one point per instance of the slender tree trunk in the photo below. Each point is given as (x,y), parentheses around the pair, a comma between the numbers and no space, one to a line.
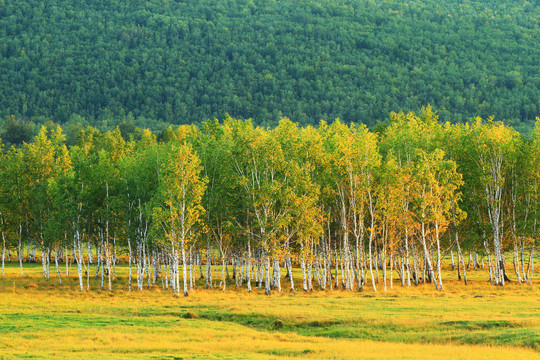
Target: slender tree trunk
(56,263)
(177,272)
(78,258)
(90,256)
(267,277)
(102,266)
(3,253)
(129,262)
(522,258)
(337,264)
(184,267)
(309,274)
(371,258)
(490,265)
(199,261)
(290,270)
(439,272)
(460,260)
(114,257)
(68,262)
(98,259)
(223,277)
(407,257)
(531,264)
(427,257)
(108,254)
(208,265)
(248,265)
(278,274)
(20,254)
(384,266)
(391,269)
(303,266)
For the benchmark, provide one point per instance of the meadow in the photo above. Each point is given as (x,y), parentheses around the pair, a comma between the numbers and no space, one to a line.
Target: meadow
(41,319)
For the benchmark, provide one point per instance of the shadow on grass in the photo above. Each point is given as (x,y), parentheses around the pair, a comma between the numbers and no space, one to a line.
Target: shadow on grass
(491,332)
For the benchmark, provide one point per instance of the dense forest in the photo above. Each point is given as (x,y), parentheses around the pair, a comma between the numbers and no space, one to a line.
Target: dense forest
(339,201)
(151,63)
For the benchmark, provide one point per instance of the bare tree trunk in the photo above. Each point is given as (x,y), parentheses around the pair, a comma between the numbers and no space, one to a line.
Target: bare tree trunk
(102,266)
(177,272)
(439,272)
(267,277)
(20,254)
(129,261)
(460,260)
(223,278)
(337,264)
(531,264)
(190,269)
(490,265)
(522,258)
(3,253)
(371,259)
(78,258)
(184,267)
(309,275)
(278,274)
(108,254)
(68,262)
(407,257)
(384,267)
(208,265)
(427,257)
(114,257)
(248,265)
(90,256)
(391,269)
(56,263)
(303,266)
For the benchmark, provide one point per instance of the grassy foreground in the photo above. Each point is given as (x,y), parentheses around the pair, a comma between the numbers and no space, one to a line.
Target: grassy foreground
(41,319)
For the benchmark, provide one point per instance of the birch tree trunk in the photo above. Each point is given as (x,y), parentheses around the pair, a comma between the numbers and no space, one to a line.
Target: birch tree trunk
(427,257)
(20,251)
(129,262)
(208,265)
(407,257)
(439,273)
(3,253)
(78,258)
(460,260)
(303,266)
(248,265)
(56,263)
(184,267)
(267,277)
(531,264)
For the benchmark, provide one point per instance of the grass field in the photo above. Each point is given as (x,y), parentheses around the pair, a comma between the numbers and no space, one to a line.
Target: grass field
(41,319)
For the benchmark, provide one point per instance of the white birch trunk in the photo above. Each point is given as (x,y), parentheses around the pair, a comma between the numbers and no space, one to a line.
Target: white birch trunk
(57,267)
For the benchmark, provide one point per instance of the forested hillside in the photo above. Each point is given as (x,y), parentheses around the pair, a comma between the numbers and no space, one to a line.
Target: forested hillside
(154,62)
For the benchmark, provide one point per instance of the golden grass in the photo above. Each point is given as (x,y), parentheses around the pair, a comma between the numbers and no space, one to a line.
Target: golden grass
(41,319)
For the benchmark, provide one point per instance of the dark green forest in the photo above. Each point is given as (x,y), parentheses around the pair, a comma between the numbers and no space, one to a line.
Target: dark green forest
(151,63)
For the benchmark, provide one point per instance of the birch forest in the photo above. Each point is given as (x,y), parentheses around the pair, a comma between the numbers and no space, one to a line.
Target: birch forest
(351,208)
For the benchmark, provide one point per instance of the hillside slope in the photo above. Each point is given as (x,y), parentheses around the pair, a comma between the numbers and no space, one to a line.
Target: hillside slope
(185,61)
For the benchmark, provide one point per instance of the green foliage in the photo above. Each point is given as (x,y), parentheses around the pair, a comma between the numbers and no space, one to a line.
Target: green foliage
(274,193)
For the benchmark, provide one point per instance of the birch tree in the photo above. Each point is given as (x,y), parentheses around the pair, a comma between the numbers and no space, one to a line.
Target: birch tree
(178,205)
(494,154)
